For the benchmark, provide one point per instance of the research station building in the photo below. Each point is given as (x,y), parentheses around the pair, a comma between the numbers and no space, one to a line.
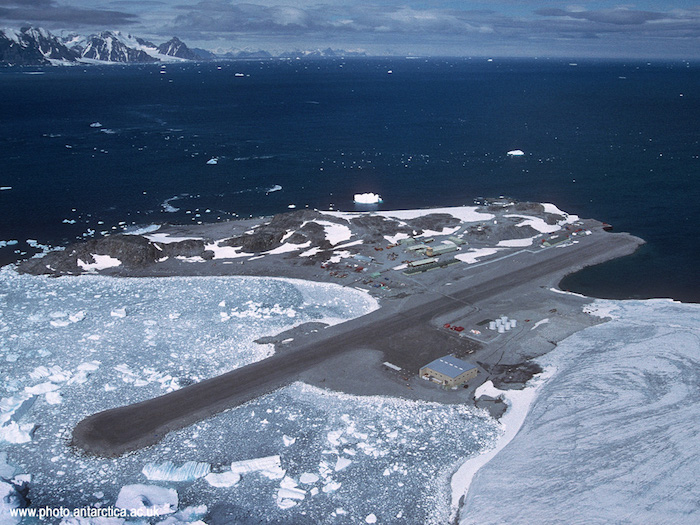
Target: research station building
(449,371)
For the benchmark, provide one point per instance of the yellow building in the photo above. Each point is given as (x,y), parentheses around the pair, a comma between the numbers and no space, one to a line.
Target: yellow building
(449,371)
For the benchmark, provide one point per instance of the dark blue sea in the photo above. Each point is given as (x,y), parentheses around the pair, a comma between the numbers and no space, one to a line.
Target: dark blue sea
(98,149)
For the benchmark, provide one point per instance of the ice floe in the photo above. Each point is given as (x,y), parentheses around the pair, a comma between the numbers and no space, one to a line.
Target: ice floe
(515,153)
(148,500)
(167,471)
(269,466)
(223,479)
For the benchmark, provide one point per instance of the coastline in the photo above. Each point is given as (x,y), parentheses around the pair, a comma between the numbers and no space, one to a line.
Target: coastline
(517,281)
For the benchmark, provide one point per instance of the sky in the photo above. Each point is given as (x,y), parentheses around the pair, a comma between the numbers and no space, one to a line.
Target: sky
(520,28)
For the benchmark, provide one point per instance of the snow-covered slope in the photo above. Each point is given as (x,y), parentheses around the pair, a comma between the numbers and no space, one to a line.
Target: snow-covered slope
(612,437)
(33,46)
(110,46)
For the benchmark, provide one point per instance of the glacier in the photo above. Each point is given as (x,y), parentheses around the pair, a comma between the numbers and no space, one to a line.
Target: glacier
(612,435)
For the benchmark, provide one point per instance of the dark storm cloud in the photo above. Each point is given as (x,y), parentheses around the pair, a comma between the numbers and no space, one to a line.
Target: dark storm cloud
(609,16)
(46,12)
(25,3)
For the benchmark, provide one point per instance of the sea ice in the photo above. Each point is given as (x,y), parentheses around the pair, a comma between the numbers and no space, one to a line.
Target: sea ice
(308,478)
(151,499)
(212,161)
(342,463)
(119,312)
(167,471)
(515,153)
(222,479)
(269,466)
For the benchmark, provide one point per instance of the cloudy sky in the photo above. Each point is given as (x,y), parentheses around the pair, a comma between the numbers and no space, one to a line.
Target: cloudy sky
(603,28)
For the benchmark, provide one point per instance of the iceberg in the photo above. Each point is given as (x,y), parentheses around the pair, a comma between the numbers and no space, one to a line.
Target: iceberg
(367,198)
(147,500)
(167,471)
(515,153)
(213,160)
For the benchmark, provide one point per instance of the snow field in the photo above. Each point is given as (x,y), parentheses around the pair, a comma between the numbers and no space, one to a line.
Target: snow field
(612,435)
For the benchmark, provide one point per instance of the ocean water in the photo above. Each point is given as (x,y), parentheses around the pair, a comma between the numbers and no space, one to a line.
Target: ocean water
(86,150)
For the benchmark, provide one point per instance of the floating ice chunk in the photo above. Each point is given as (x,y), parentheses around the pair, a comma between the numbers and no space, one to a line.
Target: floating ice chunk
(102,262)
(288,440)
(223,479)
(342,463)
(89,366)
(515,153)
(60,323)
(274,188)
(286,504)
(39,372)
(119,312)
(269,466)
(147,500)
(77,317)
(308,478)
(367,198)
(96,125)
(371,518)
(334,437)
(41,388)
(54,398)
(212,161)
(331,486)
(186,516)
(14,432)
(167,471)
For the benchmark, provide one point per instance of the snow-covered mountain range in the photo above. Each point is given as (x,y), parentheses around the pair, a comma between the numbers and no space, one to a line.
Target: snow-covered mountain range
(36,46)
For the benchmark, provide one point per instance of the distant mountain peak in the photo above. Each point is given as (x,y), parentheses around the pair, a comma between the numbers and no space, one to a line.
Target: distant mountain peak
(177,48)
(33,46)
